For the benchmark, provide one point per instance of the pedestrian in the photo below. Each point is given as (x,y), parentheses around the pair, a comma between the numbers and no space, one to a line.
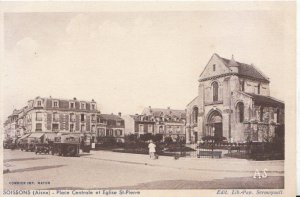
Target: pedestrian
(151,147)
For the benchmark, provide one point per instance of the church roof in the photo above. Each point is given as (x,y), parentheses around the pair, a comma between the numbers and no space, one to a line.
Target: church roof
(266,100)
(246,69)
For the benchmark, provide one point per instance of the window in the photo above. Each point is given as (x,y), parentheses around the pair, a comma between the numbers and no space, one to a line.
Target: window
(54,127)
(195,115)
(82,117)
(240,112)
(82,129)
(55,117)
(93,117)
(39,103)
(93,128)
(29,118)
(72,117)
(55,104)
(82,105)
(118,132)
(258,89)
(38,127)
(39,116)
(72,105)
(118,123)
(277,115)
(109,132)
(215,87)
(72,128)
(150,128)
(214,67)
(101,132)
(141,128)
(242,85)
(261,116)
(161,129)
(93,106)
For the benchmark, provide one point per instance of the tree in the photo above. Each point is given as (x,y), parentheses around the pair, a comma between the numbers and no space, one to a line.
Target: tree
(131,138)
(157,137)
(146,137)
(168,140)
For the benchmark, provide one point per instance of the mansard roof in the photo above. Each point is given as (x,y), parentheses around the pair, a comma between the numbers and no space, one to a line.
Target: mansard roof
(157,112)
(246,69)
(110,117)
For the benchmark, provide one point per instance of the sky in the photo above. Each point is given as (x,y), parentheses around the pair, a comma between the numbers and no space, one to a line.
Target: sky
(126,61)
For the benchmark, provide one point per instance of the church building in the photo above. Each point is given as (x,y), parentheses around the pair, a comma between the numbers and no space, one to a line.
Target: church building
(234,102)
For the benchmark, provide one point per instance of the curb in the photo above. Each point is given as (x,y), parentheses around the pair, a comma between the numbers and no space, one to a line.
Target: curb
(180,168)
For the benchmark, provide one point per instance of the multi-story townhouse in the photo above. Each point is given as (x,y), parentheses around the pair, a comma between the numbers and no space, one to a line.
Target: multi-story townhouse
(110,125)
(169,122)
(56,115)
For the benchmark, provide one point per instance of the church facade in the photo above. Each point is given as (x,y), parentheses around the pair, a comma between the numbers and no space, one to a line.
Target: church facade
(233,102)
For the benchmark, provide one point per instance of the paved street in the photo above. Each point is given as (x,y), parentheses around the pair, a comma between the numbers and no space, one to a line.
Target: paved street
(104,169)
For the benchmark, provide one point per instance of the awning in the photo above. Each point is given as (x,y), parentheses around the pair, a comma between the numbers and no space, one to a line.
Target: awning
(50,136)
(36,135)
(24,136)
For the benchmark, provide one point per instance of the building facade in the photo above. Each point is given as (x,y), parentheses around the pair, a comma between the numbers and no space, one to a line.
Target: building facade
(55,115)
(110,125)
(234,102)
(168,122)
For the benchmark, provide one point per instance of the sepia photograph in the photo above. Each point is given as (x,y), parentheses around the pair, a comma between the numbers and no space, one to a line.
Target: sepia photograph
(126,98)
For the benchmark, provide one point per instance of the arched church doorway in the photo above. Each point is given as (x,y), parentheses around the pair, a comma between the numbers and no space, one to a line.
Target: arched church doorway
(214,126)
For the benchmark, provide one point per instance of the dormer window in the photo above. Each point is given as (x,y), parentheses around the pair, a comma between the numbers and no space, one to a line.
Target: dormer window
(39,103)
(82,105)
(72,105)
(93,106)
(55,104)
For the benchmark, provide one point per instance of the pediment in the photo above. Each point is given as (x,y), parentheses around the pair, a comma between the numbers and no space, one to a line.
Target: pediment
(214,67)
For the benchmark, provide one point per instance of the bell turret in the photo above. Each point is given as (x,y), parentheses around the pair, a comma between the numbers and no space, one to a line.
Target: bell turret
(234,66)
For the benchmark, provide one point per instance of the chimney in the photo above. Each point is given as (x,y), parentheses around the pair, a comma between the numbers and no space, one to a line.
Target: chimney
(74,98)
(120,114)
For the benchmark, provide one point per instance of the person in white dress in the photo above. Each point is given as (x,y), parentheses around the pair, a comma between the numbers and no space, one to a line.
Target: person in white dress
(152,147)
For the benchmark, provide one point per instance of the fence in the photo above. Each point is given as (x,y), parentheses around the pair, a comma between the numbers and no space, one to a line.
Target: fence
(250,150)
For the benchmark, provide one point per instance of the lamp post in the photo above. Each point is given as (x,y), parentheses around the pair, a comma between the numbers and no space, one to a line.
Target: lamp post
(213,141)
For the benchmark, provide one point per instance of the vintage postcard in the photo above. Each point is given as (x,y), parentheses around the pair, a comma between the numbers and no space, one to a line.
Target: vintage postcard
(148,98)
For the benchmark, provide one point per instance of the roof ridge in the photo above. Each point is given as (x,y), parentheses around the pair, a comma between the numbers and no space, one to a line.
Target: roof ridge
(260,72)
(251,65)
